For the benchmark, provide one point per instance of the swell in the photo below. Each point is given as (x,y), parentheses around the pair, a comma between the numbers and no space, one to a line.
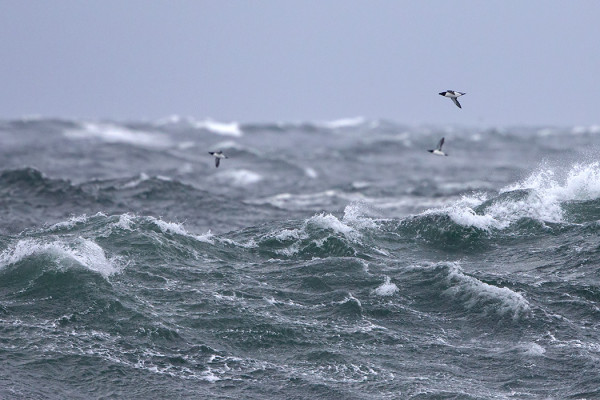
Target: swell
(475,222)
(30,197)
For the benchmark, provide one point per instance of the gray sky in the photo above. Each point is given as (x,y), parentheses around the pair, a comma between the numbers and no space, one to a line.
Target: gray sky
(520,62)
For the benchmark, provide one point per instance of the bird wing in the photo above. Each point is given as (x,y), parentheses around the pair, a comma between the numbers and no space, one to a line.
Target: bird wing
(456,102)
(440,144)
(217,161)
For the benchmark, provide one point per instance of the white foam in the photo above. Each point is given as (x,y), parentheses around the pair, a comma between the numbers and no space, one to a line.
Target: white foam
(240,177)
(311,173)
(178,229)
(387,288)
(580,130)
(344,123)
(171,120)
(328,221)
(349,299)
(532,349)
(354,214)
(462,213)
(542,202)
(465,216)
(248,245)
(134,183)
(206,237)
(125,221)
(287,234)
(84,251)
(582,183)
(71,222)
(111,133)
(360,185)
(482,296)
(220,128)
(308,200)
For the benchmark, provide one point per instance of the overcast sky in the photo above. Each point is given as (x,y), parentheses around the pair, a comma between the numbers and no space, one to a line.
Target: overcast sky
(520,62)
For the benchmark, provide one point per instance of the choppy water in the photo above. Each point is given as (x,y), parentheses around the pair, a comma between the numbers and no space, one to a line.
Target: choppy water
(334,260)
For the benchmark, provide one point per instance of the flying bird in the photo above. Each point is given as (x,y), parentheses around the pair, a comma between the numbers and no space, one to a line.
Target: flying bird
(438,151)
(217,155)
(453,94)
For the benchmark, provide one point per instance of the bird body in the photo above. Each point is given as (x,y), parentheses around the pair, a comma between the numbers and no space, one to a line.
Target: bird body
(217,155)
(438,150)
(453,94)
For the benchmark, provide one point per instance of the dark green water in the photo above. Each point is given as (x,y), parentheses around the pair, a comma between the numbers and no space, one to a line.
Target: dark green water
(337,261)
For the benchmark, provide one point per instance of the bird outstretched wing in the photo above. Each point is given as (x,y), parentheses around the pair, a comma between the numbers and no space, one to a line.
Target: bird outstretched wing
(440,144)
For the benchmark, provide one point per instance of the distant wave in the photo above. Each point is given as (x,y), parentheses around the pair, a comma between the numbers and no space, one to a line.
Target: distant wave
(217,127)
(344,123)
(239,177)
(113,133)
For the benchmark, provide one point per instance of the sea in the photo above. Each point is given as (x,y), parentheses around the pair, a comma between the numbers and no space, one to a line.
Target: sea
(321,260)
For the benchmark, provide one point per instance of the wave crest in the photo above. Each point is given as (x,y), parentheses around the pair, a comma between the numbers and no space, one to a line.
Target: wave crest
(83,252)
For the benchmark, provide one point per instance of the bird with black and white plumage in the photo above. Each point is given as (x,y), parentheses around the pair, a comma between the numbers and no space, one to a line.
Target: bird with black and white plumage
(217,155)
(453,94)
(438,150)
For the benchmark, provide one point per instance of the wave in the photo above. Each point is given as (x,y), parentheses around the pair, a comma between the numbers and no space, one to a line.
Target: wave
(478,295)
(101,244)
(210,125)
(542,198)
(302,201)
(336,125)
(387,288)
(447,280)
(28,177)
(102,225)
(32,197)
(63,252)
(238,177)
(319,236)
(344,123)
(113,133)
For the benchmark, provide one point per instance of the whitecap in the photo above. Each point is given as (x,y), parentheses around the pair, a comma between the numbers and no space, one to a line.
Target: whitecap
(111,133)
(308,200)
(125,221)
(311,173)
(482,296)
(533,349)
(328,221)
(287,234)
(239,177)
(387,288)
(220,128)
(579,130)
(135,182)
(354,214)
(344,123)
(178,229)
(84,251)
(71,222)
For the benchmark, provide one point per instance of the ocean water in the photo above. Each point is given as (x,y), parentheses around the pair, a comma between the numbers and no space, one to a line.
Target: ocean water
(322,260)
